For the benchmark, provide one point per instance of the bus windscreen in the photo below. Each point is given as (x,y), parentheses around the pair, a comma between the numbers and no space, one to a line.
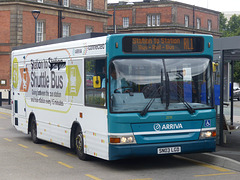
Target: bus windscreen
(166,44)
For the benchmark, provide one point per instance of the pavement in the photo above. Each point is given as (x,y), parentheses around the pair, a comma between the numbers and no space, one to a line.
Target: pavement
(226,155)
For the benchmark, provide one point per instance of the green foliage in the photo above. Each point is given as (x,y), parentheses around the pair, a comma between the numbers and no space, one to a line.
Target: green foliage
(236,75)
(223,25)
(90,67)
(228,29)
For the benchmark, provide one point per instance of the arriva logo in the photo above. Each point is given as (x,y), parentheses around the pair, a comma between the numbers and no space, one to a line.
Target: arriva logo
(158,127)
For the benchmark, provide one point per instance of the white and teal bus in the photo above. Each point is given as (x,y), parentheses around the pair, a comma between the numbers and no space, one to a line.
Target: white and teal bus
(117,96)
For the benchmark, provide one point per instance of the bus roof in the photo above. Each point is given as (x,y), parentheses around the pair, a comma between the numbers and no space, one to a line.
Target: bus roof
(60,40)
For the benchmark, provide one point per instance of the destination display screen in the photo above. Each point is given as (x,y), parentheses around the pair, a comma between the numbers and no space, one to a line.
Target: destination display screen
(162,44)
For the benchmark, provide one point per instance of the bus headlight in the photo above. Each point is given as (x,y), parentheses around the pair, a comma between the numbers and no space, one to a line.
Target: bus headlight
(122,140)
(207,134)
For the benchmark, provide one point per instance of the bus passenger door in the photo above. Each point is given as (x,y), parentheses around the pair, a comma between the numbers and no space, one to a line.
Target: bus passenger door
(21,83)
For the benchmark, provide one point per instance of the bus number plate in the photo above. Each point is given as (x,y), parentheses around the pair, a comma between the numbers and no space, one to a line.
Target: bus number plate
(169,150)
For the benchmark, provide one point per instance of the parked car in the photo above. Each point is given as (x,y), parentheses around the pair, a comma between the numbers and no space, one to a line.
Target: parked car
(236,93)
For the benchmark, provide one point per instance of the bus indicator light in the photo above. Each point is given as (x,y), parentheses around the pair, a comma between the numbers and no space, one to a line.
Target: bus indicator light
(114,140)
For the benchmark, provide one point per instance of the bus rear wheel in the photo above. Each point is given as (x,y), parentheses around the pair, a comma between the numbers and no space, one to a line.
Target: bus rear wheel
(79,144)
(34,131)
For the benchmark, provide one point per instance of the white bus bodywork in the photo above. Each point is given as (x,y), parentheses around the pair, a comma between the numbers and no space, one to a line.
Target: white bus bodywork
(48,83)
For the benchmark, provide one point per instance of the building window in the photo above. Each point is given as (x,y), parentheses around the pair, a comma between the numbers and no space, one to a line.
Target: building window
(89,5)
(148,20)
(153,20)
(186,21)
(158,20)
(209,25)
(3,82)
(65,3)
(125,22)
(66,30)
(40,1)
(89,29)
(40,26)
(198,23)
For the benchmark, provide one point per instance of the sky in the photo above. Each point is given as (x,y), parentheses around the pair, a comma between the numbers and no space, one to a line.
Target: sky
(217,5)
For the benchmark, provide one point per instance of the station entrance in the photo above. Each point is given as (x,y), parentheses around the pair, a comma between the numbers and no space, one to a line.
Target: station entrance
(226,88)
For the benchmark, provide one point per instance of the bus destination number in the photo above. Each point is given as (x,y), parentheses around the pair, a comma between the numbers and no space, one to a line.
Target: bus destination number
(169,150)
(162,44)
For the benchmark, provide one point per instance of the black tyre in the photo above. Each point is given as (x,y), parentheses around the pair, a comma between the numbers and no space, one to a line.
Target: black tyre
(79,144)
(34,131)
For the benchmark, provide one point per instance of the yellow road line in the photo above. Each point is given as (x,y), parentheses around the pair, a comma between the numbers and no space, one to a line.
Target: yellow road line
(42,154)
(72,155)
(23,146)
(92,177)
(66,165)
(2,117)
(1,128)
(214,167)
(9,140)
(47,147)
(204,164)
(219,174)
(5,113)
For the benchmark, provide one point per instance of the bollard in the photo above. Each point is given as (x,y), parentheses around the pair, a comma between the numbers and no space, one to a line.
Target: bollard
(0,98)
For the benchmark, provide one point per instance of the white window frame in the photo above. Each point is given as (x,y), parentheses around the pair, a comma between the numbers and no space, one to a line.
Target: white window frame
(125,22)
(198,23)
(65,3)
(66,30)
(186,21)
(89,5)
(149,20)
(153,20)
(158,19)
(40,1)
(209,24)
(40,31)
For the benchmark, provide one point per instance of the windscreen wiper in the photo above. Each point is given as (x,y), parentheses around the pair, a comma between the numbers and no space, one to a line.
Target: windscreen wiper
(153,95)
(145,110)
(188,106)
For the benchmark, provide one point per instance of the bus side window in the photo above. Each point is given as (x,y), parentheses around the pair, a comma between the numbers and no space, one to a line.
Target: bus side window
(94,75)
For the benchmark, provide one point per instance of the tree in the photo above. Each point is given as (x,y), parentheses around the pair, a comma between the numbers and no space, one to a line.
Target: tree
(234,25)
(223,25)
(231,28)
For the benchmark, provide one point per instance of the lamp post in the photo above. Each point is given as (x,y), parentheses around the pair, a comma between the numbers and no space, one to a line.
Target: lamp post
(60,3)
(35,14)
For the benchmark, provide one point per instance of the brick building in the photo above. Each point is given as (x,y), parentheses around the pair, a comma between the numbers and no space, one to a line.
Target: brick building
(163,16)
(18,25)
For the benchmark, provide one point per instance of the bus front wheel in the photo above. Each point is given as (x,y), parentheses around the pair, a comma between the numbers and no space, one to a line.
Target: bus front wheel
(79,144)
(34,131)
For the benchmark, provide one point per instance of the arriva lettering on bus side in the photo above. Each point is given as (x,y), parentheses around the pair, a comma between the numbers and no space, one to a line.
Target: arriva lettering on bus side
(117,96)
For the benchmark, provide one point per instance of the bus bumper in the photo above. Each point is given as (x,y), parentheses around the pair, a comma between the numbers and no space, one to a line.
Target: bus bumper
(138,150)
